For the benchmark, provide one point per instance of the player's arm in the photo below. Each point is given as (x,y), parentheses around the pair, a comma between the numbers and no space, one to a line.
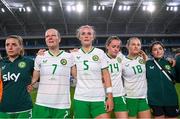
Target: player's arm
(74,72)
(172,61)
(35,77)
(41,52)
(143,55)
(107,83)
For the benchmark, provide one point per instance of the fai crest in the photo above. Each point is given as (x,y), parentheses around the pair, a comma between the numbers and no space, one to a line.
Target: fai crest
(168,67)
(95,58)
(63,61)
(141,61)
(119,59)
(22,65)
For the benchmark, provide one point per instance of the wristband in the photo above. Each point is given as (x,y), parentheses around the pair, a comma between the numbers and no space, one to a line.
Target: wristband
(33,82)
(109,90)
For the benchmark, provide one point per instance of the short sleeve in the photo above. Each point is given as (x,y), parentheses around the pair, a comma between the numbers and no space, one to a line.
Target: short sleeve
(72,60)
(104,62)
(37,63)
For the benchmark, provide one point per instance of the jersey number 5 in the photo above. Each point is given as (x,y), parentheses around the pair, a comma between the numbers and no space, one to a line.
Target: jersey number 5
(86,66)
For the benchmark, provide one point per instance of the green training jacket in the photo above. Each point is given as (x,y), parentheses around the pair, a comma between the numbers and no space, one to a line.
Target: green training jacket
(16,76)
(177,67)
(161,91)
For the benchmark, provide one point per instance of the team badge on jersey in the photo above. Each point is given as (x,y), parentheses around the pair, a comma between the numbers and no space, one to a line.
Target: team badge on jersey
(22,65)
(119,59)
(63,61)
(95,58)
(141,61)
(167,67)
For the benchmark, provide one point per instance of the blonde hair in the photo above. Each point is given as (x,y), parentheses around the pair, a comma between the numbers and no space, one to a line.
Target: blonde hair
(58,34)
(130,39)
(20,41)
(110,39)
(85,26)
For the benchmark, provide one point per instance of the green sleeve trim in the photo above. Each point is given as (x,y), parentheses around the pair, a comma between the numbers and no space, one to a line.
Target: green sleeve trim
(105,68)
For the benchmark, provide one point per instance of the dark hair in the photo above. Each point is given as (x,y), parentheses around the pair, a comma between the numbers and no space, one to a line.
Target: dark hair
(156,43)
(20,41)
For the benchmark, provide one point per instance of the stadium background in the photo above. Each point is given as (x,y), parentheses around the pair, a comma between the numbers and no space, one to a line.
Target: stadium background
(149,20)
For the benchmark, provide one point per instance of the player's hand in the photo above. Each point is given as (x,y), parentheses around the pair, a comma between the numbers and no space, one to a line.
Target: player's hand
(177,54)
(109,104)
(29,88)
(172,61)
(74,50)
(143,55)
(41,52)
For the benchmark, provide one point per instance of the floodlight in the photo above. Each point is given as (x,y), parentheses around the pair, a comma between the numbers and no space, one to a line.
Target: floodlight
(128,8)
(68,8)
(20,9)
(175,8)
(120,8)
(28,9)
(144,8)
(94,8)
(99,7)
(124,8)
(79,8)
(23,9)
(171,8)
(151,8)
(167,8)
(43,8)
(2,9)
(103,8)
(49,9)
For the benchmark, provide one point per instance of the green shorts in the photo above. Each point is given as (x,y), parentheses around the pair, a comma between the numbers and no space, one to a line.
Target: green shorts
(136,105)
(46,112)
(120,104)
(86,109)
(23,114)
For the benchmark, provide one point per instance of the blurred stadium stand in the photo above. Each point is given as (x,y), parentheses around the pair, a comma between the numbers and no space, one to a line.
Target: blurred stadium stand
(33,45)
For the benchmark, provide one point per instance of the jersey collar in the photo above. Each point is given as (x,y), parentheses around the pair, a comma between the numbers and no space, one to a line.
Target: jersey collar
(60,52)
(87,52)
(132,58)
(159,59)
(110,56)
(7,59)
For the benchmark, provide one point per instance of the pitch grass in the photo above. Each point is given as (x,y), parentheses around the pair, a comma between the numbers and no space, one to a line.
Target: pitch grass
(34,92)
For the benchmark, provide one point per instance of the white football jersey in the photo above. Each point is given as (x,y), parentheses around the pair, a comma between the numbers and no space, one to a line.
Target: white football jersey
(89,76)
(134,76)
(54,85)
(115,70)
